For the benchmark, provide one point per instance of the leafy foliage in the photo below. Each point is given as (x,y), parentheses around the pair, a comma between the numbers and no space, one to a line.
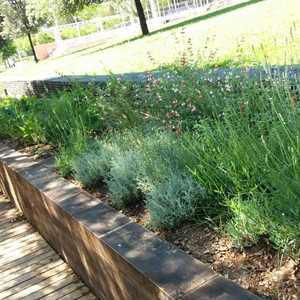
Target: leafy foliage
(175,200)
(93,165)
(19,17)
(123,178)
(234,157)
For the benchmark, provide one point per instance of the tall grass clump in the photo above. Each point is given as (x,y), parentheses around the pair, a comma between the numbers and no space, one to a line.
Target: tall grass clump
(64,120)
(248,160)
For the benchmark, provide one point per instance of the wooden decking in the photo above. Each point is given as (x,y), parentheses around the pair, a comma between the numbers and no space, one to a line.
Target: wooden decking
(29,267)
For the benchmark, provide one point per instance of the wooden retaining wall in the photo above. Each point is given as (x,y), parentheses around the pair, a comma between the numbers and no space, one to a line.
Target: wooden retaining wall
(116,258)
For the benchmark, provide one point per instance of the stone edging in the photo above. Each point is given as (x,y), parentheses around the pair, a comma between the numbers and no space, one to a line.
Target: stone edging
(116,258)
(20,87)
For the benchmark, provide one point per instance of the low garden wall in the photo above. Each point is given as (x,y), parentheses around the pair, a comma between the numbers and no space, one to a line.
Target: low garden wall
(116,258)
(21,87)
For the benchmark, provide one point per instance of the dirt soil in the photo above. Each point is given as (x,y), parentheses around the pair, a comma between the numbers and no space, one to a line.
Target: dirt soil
(259,268)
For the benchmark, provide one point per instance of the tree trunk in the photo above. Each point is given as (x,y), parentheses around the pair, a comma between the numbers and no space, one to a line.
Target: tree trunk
(32,47)
(142,18)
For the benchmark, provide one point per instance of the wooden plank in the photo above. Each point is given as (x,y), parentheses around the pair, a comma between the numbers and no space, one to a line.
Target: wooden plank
(39,259)
(53,287)
(8,214)
(64,291)
(75,295)
(29,268)
(11,225)
(29,271)
(32,236)
(26,276)
(88,297)
(29,249)
(44,288)
(27,258)
(37,282)
(10,232)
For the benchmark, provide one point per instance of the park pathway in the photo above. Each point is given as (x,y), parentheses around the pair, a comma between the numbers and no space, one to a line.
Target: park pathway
(29,267)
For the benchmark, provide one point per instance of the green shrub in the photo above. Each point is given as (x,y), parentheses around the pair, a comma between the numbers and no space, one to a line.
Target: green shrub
(248,218)
(55,119)
(175,200)
(108,24)
(44,38)
(7,49)
(263,216)
(93,165)
(69,33)
(23,45)
(247,161)
(94,10)
(88,29)
(163,154)
(123,178)
(191,148)
(117,105)
(69,152)
(18,119)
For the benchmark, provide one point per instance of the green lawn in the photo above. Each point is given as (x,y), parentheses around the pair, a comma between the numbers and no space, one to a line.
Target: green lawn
(245,34)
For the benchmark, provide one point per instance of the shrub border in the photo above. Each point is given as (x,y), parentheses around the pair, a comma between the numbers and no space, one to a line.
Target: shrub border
(17,87)
(115,257)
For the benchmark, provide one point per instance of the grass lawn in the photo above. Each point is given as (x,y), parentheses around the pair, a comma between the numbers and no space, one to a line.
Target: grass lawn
(245,34)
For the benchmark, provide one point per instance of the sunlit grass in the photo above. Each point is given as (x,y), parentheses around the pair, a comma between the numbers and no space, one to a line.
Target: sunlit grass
(246,36)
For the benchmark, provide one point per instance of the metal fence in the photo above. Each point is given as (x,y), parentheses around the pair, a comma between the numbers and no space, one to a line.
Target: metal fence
(175,9)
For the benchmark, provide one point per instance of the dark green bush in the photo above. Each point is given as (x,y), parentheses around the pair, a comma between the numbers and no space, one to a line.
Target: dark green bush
(44,38)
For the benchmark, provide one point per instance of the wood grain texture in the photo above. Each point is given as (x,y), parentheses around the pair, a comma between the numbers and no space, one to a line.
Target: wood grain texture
(29,267)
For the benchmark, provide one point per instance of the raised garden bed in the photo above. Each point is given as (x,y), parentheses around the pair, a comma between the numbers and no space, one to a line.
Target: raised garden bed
(115,257)
(208,167)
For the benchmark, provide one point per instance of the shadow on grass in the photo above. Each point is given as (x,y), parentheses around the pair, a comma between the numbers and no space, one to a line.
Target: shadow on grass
(186,22)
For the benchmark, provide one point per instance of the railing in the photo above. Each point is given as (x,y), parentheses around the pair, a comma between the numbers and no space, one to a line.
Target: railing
(174,9)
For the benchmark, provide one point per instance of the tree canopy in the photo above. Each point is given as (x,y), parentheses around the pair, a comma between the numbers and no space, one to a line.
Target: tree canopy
(7,47)
(74,5)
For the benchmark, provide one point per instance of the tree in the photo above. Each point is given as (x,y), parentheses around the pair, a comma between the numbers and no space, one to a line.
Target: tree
(19,19)
(142,18)
(7,47)
(54,11)
(75,5)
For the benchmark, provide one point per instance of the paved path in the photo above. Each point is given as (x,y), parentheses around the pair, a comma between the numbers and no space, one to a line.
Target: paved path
(29,267)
